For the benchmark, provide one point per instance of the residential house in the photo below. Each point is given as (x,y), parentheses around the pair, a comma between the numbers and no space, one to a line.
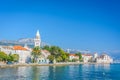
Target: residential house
(104,58)
(86,58)
(73,56)
(43,58)
(24,54)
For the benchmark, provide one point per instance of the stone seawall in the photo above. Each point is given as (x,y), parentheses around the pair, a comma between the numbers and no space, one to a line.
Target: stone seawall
(35,64)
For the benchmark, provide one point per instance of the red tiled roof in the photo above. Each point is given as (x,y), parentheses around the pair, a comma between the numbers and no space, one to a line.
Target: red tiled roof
(72,55)
(19,48)
(86,54)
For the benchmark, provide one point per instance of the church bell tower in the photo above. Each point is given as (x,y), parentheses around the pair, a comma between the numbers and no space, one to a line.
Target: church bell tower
(37,39)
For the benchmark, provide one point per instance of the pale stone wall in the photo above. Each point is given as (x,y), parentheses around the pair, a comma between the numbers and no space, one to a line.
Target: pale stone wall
(24,55)
(86,58)
(104,59)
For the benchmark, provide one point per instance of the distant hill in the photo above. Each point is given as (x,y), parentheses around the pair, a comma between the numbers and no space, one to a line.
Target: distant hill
(22,42)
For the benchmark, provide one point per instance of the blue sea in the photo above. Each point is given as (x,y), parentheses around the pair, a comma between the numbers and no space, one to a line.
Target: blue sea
(69,72)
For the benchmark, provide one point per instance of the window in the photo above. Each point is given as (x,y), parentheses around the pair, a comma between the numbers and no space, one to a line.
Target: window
(39,60)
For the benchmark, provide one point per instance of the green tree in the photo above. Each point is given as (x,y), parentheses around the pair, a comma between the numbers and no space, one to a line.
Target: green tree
(80,56)
(15,57)
(10,57)
(64,56)
(3,56)
(46,47)
(51,58)
(59,54)
(36,52)
(59,59)
(56,53)
(54,50)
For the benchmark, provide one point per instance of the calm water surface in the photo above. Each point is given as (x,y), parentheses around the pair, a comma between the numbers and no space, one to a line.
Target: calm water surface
(71,72)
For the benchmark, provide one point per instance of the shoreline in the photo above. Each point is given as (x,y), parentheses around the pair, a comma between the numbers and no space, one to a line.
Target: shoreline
(56,64)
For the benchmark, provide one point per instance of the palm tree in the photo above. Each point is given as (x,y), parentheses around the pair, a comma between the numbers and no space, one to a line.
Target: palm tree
(36,52)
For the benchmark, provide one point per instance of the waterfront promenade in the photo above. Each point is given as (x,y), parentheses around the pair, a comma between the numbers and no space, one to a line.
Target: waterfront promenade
(56,64)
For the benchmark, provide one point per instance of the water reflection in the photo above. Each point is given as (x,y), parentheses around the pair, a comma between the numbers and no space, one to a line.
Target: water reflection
(102,66)
(22,72)
(70,72)
(107,66)
(74,71)
(41,72)
(35,73)
(28,73)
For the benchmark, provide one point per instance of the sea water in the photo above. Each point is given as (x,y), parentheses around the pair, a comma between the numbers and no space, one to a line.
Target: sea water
(68,72)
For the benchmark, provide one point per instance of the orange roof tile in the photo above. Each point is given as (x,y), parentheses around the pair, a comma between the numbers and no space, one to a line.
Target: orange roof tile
(72,55)
(87,54)
(19,48)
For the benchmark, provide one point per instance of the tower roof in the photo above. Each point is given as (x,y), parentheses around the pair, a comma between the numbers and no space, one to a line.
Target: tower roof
(38,34)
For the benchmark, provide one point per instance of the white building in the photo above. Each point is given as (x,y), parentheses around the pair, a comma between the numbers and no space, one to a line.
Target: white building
(37,39)
(95,55)
(73,56)
(43,57)
(24,54)
(104,58)
(86,57)
(44,53)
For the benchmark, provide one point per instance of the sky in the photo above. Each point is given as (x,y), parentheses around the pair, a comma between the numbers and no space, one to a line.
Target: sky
(77,24)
